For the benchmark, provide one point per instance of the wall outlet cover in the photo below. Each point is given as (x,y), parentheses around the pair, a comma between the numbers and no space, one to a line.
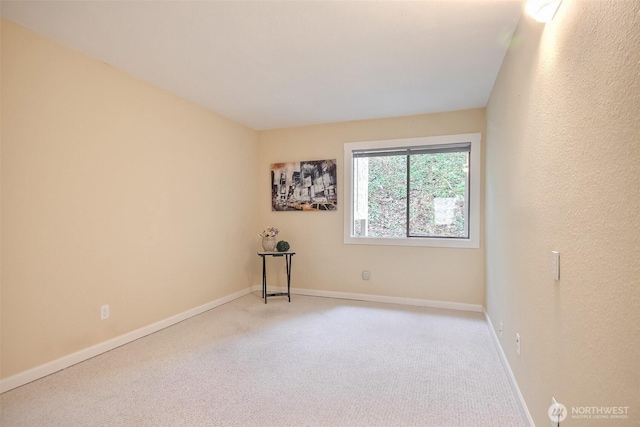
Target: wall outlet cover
(104,312)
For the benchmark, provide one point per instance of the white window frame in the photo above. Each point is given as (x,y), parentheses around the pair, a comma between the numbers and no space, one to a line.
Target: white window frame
(473,241)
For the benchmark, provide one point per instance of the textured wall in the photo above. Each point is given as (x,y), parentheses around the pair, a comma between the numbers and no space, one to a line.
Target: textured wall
(113,192)
(323,261)
(562,155)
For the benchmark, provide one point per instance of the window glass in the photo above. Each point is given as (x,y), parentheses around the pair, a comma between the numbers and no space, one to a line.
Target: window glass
(415,192)
(438,194)
(381,190)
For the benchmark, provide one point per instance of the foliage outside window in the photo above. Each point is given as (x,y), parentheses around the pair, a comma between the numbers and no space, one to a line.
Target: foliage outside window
(421,191)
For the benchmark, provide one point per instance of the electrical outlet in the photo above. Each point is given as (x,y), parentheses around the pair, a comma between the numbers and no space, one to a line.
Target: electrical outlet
(366,275)
(104,312)
(501,328)
(518,344)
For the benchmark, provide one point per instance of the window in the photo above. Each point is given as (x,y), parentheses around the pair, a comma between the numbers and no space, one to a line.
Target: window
(414,192)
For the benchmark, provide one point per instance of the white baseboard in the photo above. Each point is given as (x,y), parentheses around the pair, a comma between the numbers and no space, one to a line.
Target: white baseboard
(87,353)
(526,415)
(377,298)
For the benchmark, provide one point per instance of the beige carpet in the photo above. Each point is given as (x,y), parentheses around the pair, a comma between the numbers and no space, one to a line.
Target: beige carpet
(311,362)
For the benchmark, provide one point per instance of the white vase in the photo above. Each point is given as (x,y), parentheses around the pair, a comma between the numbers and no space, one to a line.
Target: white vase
(269,244)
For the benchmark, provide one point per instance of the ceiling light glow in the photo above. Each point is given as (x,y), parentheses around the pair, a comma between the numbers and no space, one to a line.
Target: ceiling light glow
(542,10)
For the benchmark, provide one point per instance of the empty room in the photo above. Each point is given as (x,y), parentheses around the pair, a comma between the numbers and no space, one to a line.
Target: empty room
(320,213)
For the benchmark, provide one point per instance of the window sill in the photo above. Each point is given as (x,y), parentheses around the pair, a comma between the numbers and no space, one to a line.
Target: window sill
(432,242)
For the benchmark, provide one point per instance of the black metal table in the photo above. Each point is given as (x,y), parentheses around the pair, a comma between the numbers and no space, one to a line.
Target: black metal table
(288,258)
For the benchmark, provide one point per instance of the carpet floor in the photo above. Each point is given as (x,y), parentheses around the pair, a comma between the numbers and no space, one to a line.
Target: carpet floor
(312,362)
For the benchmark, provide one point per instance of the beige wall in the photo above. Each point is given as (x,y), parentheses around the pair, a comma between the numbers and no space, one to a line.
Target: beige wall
(323,261)
(114,192)
(562,159)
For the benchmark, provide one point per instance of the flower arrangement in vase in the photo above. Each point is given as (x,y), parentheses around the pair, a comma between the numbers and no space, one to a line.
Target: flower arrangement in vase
(269,238)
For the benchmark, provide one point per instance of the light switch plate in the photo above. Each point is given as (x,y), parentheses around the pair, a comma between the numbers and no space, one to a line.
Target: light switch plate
(555,265)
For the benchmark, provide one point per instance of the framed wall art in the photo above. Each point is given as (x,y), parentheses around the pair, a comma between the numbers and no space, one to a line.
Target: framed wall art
(304,186)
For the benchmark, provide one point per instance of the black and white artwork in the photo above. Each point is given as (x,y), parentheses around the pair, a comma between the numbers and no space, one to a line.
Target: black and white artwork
(304,186)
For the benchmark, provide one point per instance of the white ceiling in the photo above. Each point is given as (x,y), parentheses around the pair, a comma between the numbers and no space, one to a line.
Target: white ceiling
(274,64)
